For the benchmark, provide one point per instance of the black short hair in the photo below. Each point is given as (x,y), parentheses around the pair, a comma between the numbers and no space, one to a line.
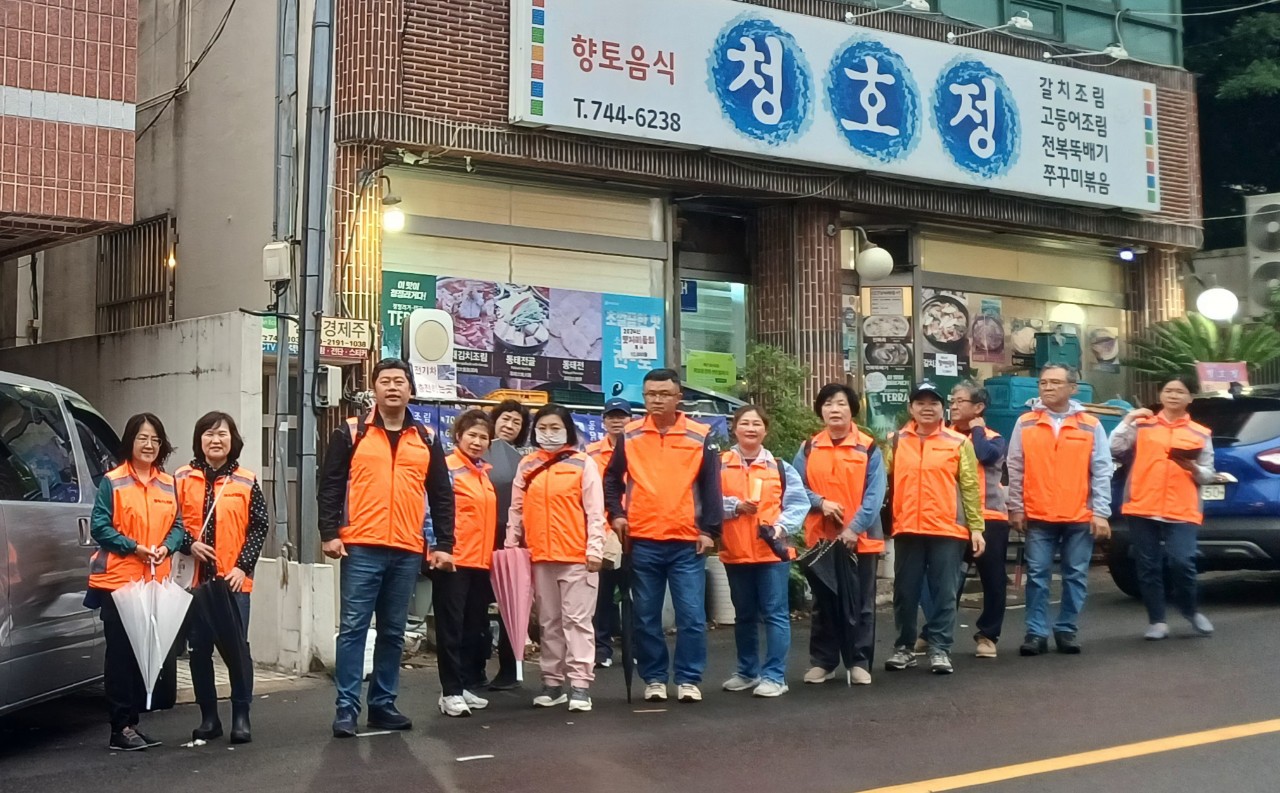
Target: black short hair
(831,389)
(472,418)
(511,406)
(1188,381)
(977,394)
(207,422)
(663,376)
(392,363)
(552,409)
(131,429)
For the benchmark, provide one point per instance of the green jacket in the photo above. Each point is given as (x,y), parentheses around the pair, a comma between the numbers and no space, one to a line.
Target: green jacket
(966,475)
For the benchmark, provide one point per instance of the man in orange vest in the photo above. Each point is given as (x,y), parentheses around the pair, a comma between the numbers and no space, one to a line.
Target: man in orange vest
(662,488)
(608,622)
(968,409)
(1060,496)
(381,471)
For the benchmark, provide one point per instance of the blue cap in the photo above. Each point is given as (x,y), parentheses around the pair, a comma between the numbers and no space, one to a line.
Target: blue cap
(617,405)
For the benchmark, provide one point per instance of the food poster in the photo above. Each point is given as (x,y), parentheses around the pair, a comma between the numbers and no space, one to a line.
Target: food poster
(1103,353)
(944,326)
(1022,340)
(887,340)
(849,333)
(886,391)
(986,332)
(520,336)
(634,343)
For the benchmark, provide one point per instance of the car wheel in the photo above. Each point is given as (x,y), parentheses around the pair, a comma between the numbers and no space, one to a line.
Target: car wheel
(1124,570)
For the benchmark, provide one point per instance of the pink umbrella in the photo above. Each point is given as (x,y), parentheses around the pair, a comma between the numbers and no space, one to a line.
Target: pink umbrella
(512,576)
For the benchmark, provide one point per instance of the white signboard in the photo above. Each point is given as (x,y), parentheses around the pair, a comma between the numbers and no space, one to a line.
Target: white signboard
(430,336)
(749,80)
(639,344)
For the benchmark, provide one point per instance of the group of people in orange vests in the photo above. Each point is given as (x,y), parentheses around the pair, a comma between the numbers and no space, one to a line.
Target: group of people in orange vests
(394,504)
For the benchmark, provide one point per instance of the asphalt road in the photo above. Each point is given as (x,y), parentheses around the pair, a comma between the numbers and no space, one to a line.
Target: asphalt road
(907,727)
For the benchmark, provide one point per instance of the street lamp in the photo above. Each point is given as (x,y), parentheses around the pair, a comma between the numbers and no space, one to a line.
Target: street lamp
(1218,304)
(870,261)
(392,215)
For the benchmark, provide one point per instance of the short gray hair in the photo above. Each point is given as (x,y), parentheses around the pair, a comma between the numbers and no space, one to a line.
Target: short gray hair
(1073,375)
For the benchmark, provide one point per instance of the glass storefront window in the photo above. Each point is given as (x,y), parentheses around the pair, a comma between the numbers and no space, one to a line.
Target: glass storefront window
(713,334)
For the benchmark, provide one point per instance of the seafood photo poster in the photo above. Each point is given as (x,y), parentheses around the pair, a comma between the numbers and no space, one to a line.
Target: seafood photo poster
(986,334)
(944,325)
(1104,348)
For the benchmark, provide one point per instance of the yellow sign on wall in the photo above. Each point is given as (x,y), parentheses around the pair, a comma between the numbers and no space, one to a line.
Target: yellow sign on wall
(713,371)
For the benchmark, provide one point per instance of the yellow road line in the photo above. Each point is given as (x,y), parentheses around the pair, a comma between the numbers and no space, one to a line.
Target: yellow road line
(1108,755)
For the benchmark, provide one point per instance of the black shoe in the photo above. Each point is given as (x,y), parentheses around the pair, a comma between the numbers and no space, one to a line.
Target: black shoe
(210,725)
(127,740)
(241,732)
(1067,643)
(344,724)
(504,683)
(147,739)
(1034,645)
(388,718)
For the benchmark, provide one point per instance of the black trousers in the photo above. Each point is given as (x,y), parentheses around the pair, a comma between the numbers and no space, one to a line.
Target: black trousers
(461,603)
(125,690)
(995,581)
(825,633)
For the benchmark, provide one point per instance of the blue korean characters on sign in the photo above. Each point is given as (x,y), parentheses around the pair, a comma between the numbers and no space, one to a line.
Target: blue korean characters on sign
(741,78)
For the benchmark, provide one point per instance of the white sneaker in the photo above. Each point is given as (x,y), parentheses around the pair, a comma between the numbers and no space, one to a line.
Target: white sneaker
(860,676)
(655,692)
(579,700)
(769,688)
(550,697)
(454,706)
(1201,624)
(474,702)
(1156,631)
(819,675)
(740,682)
(688,692)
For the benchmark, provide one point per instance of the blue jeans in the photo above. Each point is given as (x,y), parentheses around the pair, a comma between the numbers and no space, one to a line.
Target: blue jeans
(759,593)
(1075,542)
(200,658)
(655,565)
(374,580)
(1180,548)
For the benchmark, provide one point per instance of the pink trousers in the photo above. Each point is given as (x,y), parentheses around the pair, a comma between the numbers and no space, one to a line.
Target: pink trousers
(566,597)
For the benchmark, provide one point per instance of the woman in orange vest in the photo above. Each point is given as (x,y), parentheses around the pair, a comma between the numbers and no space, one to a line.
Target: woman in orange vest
(225,512)
(461,598)
(137,524)
(844,475)
(557,511)
(764,501)
(937,513)
(1169,457)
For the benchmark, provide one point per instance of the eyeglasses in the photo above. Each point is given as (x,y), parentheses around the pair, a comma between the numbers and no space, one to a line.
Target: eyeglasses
(147,440)
(958,401)
(658,395)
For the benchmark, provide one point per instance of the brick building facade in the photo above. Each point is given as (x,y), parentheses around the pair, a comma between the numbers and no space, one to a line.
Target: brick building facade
(430,79)
(67,97)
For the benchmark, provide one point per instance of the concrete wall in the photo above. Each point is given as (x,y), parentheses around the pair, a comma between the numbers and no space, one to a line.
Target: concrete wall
(178,371)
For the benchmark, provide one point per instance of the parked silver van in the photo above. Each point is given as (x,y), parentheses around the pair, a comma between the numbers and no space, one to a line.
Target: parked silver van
(54,450)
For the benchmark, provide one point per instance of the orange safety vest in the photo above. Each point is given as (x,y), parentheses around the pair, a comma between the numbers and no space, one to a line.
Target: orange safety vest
(387,493)
(838,472)
(926,487)
(662,469)
(741,543)
(602,452)
(143,512)
(475,506)
(1157,486)
(995,496)
(230,513)
(555,521)
(1057,469)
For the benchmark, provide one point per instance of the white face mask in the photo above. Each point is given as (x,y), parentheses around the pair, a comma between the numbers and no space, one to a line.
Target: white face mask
(551,440)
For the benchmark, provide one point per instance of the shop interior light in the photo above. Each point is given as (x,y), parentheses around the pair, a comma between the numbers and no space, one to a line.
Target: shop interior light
(919,6)
(1218,304)
(1127,254)
(870,261)
(172,261)
(1019,21)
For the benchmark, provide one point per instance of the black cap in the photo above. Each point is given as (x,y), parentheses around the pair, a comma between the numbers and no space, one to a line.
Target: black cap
(924,388)
(617,405)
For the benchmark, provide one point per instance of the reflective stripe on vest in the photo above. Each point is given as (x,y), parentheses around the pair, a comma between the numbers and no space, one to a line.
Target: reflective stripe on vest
(475,505)
(741,543)
(1057,469)
(995,496)
(662,469)
(1157,486)
(386,492)
(230,513)
(555,521)
(838,472)
(926,485)
(144,513)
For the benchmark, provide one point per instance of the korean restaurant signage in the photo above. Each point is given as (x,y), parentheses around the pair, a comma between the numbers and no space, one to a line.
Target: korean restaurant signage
(754,81)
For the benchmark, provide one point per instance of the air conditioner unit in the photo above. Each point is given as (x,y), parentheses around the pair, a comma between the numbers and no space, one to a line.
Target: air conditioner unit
(1262,246)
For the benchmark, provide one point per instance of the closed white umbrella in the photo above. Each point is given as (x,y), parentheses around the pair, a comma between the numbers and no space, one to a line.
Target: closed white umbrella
(152,613)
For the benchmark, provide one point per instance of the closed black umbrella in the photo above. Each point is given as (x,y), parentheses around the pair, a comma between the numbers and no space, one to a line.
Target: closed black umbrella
(833,575)
(212,601)
(628,626)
